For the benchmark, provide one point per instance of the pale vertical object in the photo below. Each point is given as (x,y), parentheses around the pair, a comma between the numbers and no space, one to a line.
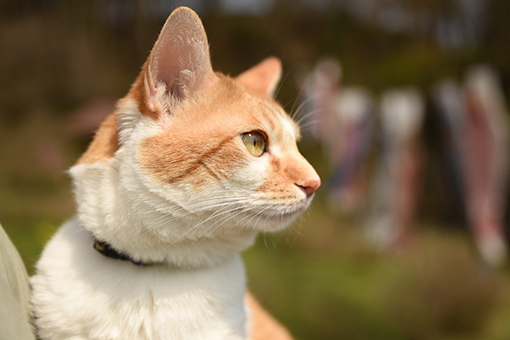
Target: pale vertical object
(485,160)
(397,182)
(354,116)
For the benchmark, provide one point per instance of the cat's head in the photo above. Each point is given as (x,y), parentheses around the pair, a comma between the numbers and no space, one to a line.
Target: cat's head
(191,154)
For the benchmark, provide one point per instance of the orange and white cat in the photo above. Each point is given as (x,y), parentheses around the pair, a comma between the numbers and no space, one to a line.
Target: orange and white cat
(176,183)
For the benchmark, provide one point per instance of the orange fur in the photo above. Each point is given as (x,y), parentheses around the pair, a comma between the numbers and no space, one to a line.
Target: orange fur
(263,77)
(104,144)
(264,326)
(177,154)
(139,94)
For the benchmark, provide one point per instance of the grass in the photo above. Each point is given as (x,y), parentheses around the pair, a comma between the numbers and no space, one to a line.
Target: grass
(438,291)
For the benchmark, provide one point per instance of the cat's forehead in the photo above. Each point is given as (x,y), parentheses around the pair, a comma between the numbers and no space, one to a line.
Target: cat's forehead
(278,125)
(231,107)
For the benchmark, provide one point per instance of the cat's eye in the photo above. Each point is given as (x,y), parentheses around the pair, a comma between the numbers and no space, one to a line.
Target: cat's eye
(255,142)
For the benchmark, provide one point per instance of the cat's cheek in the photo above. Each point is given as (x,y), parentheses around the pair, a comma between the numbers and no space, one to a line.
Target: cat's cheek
(253,174)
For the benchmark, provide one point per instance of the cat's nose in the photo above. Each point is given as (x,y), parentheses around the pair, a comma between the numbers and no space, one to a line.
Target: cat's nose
(309,185)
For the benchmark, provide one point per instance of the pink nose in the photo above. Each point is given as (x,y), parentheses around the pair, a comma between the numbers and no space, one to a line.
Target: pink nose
(310,185)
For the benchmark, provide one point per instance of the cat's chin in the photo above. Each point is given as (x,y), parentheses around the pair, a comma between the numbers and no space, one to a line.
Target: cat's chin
(276,219)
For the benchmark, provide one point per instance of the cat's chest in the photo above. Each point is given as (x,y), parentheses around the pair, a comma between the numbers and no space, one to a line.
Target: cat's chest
(102,298)
(189,315)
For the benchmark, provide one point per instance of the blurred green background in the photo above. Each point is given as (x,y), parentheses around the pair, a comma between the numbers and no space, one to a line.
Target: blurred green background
(63,63)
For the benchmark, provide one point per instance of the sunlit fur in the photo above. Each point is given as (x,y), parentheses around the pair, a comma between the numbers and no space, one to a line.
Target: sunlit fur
(169,180)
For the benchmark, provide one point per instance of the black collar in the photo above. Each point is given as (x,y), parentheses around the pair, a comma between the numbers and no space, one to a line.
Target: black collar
(107,250)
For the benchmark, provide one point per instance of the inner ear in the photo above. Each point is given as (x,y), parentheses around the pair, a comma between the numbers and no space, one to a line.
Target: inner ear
(179,64)
(263,77)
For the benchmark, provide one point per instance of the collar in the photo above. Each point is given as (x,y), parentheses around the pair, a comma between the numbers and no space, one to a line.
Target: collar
(107,250)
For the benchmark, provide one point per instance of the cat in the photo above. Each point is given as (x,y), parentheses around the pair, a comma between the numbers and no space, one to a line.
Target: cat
(180,179)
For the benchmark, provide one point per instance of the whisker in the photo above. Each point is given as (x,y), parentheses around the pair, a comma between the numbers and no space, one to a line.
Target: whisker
(214,203)
(223,210)
(283,80)
(218,224)
(215,214)
(224,220)
(295,114)
(309,124)
(308,114)
(299,95)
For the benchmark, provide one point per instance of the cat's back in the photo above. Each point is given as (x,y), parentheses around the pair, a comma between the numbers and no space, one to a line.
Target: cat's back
(80,294)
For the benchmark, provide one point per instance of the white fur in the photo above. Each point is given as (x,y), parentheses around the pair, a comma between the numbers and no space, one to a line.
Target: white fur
(287,125)
(81,294)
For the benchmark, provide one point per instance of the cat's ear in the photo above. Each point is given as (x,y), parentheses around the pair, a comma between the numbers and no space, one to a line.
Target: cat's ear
(179,64)
(263,77)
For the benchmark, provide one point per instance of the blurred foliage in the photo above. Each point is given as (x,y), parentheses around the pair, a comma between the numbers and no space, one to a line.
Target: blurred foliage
(320,278)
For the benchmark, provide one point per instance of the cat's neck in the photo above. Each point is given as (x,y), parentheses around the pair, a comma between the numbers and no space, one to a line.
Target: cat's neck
(132,223)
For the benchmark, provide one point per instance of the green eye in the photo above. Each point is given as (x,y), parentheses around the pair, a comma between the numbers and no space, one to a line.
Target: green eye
(255,142)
